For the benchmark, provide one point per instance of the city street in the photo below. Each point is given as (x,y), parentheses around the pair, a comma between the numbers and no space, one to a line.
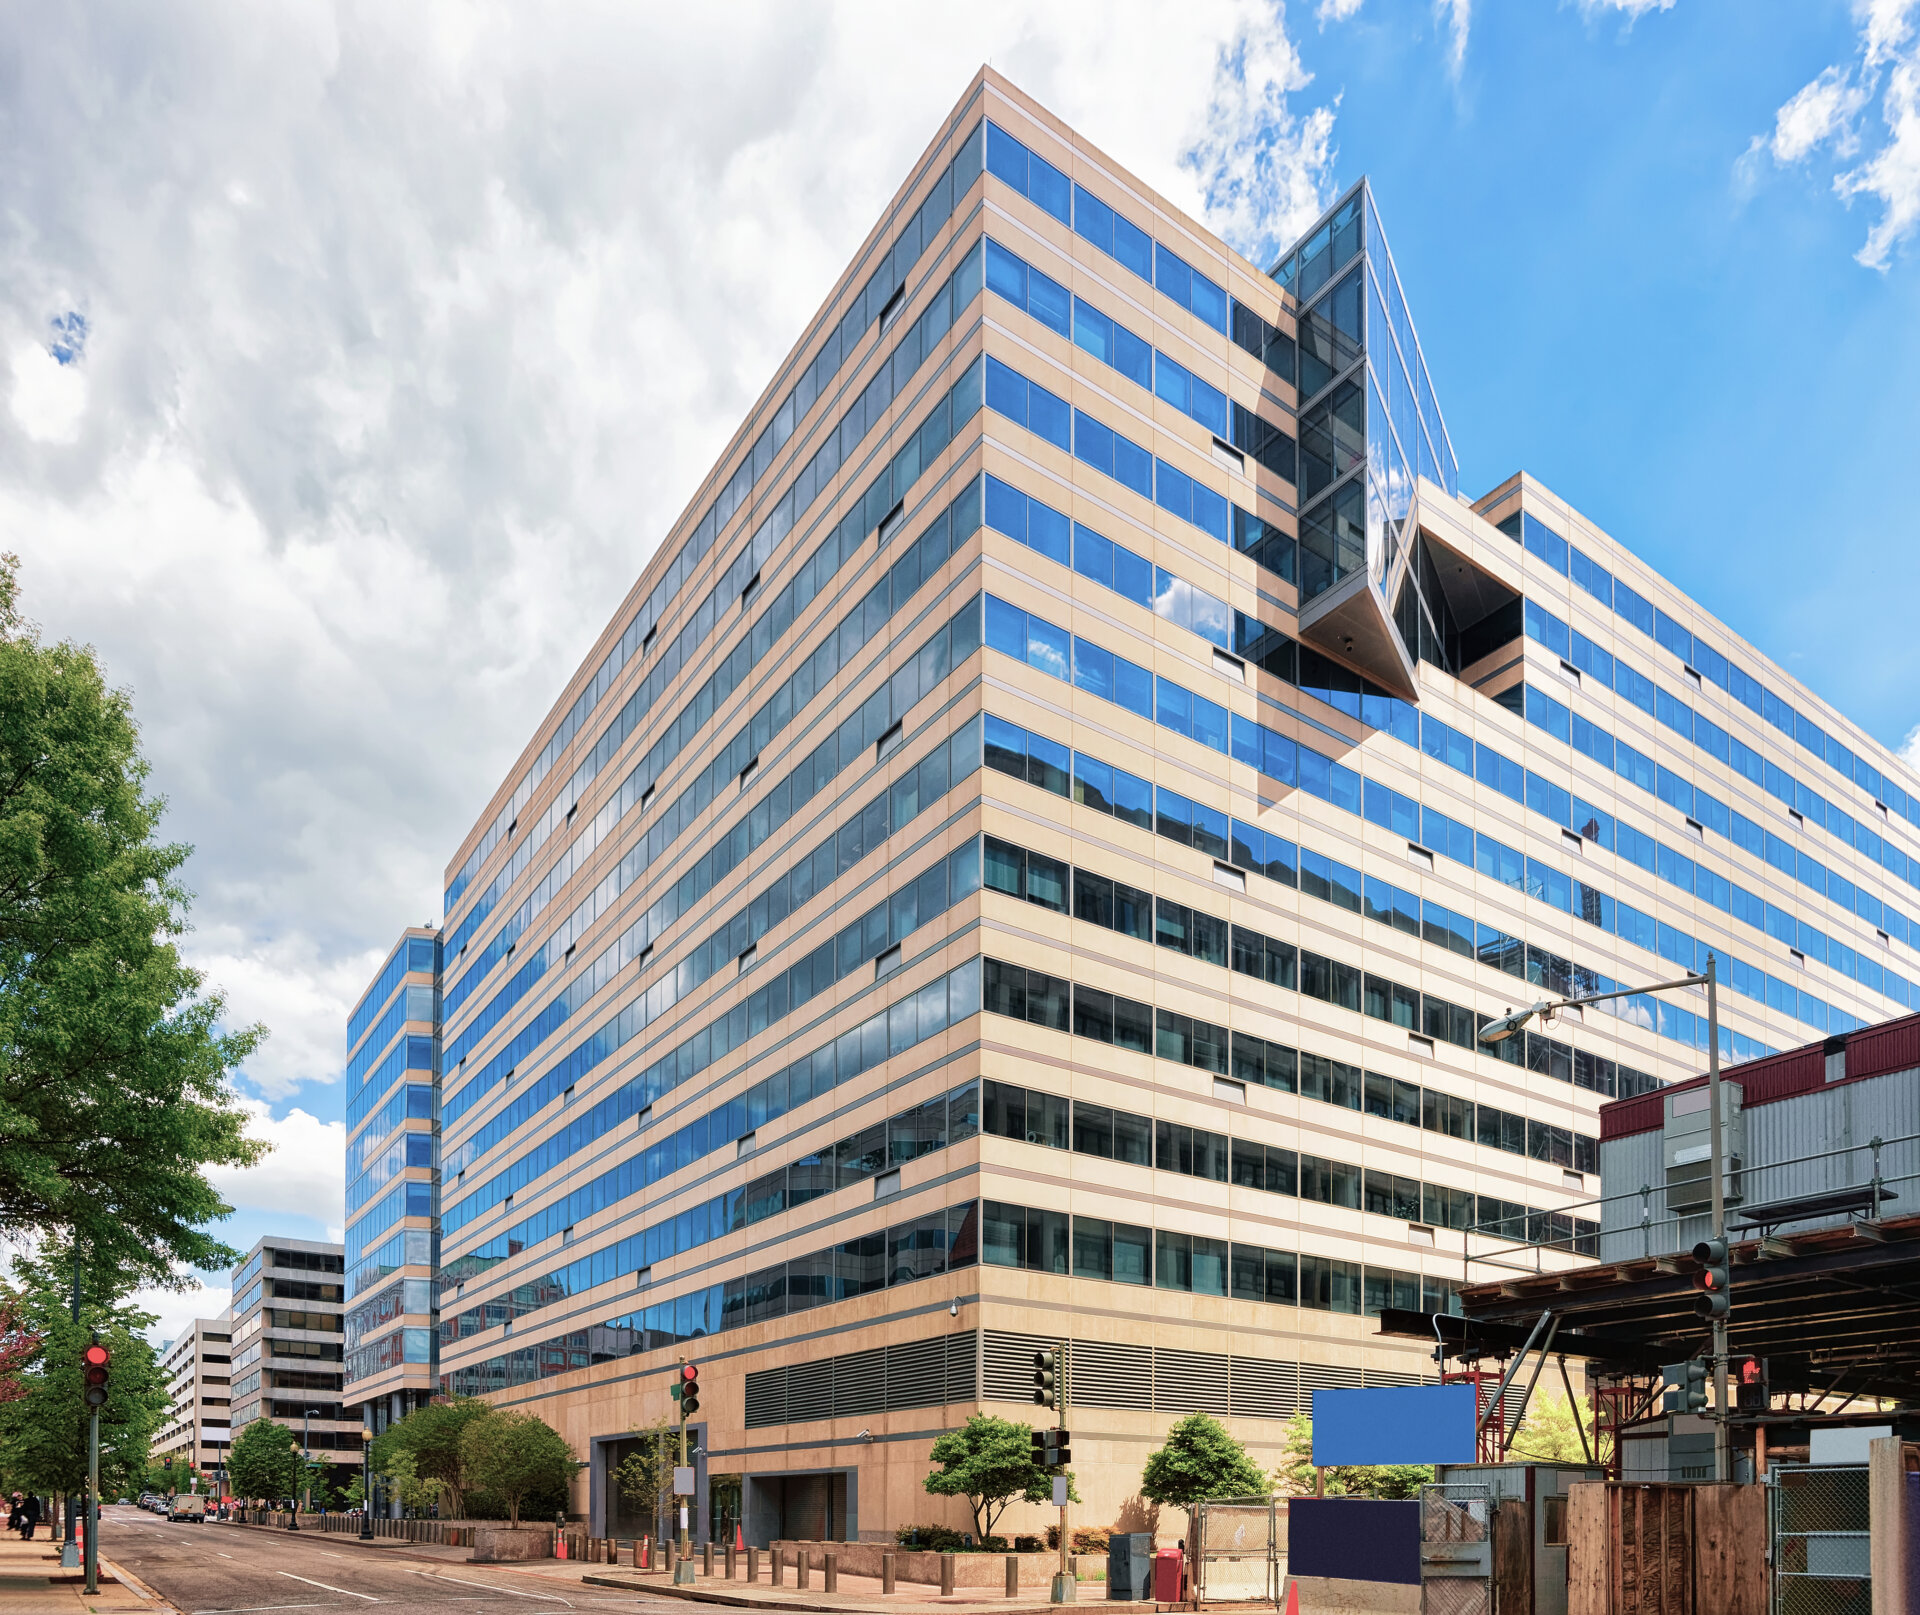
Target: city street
(215,1569)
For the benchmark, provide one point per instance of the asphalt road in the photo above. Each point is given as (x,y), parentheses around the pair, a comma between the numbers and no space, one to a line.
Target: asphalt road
(214,1569)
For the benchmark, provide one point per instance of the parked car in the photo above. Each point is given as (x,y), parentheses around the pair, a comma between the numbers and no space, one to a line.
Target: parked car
(188,1506)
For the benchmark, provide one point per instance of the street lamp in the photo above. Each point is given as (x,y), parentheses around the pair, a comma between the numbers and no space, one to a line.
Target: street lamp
(1498,1031)
(366,1486)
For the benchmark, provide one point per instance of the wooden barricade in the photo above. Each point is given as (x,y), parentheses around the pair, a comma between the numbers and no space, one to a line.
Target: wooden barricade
(1679,1549)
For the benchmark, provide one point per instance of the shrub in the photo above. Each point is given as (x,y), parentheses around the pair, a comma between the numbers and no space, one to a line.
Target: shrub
(1086,1538)
(930,1538)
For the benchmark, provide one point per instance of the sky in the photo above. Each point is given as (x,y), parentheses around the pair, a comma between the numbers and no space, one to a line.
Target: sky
(354,358)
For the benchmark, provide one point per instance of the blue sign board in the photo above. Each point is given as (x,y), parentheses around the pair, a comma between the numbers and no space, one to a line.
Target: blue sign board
(1395,1424)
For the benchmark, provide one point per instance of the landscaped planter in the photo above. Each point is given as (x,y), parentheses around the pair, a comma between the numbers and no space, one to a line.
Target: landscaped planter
(502,1544)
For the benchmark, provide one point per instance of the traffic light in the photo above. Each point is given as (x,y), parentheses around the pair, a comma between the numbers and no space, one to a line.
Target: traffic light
(1046,1377)
(93,1373)
(1750,1377)
(1686,1387)
(1715,1281)
(1050,1450)
(686,1391)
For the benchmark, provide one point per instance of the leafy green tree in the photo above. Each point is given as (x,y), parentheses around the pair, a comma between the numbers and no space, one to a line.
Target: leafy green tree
(519,1454)
(989,1462)
(43,1431)
(416,1492)
(432,1435)
(113,1061)
(1551,1431)
(265,1462)
(645,1475)
(1199,1463)
(1296,1473)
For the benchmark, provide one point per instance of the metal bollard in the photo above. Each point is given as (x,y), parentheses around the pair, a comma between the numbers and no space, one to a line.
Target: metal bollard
(706,1558)
(753,1564)
(832,1581)
(776,1569)
(886,1572)
(946,1575)
(802,1564)
(1013,1576)
(666,1554)
(729,1561)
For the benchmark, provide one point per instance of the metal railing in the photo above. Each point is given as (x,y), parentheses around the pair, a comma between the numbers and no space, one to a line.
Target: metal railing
(1749,1172)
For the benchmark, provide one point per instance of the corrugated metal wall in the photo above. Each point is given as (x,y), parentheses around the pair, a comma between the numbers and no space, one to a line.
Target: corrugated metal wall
(1833,1124)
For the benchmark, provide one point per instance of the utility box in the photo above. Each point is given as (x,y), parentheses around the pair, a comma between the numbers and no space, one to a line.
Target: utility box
(1687,1146)
(1129,1567)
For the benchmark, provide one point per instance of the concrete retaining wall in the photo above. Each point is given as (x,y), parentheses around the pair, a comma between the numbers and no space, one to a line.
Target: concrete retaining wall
(969,1569)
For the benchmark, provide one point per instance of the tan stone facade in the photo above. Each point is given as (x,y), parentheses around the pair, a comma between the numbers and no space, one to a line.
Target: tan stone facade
(826,1378)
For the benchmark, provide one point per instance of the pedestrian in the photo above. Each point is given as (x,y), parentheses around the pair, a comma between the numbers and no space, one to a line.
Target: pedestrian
(29,1518)
(13,1513)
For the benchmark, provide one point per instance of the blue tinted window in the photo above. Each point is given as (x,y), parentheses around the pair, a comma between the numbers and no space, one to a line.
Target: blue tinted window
(1093,219)
(1006,158)
(1048,187)
(1133,247)
(1172,276)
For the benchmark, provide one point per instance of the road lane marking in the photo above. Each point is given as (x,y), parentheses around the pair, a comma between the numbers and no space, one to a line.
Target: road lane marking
(347,1591)
(253,1609)
(491,1587)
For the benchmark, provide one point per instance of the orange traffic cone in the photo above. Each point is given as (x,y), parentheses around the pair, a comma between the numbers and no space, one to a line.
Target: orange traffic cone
(1293,1598)
(739,1539)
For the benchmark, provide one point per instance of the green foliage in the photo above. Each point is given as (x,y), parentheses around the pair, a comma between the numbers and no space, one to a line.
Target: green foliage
(43,1431)
(113,1062)
(989,1462)
(1200,1462)
(519,1454)
(355,1495)
(931,1538)
(1297,1476)
(414,1492)
(265,1463)
(431,1434)
(645,1475)
(1550,1433)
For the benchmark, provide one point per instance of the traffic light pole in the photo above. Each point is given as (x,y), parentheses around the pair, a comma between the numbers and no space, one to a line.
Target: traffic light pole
(1064,1589)
(1716,1147)
(93,1503)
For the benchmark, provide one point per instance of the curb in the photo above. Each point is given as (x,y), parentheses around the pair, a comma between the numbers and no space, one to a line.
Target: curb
(701,1595)
(139,1588)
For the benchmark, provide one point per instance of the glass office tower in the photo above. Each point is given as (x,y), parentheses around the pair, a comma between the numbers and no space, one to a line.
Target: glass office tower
(1029,857)
(392,1318)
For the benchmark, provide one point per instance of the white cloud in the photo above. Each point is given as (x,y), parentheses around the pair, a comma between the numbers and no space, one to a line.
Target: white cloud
(1266,171)
(303,1174)
(1336,11)
(409,331)
(1826,113)
(173,1310)
(1457,17)
(48,397)
(1632,10)
(1909,749)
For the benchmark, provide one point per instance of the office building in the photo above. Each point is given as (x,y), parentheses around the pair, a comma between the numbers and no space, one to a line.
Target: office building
(1028,859)
(392,1208)
(195,1369)
(287,1305)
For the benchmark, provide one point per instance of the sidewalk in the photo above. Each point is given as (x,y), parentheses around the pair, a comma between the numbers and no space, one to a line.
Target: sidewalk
(32,1582)
(861,1593)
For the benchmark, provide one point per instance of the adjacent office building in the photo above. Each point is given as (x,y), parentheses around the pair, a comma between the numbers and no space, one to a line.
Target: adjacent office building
(196,1369)
(1029,857)
(287,1304)
(393,1096)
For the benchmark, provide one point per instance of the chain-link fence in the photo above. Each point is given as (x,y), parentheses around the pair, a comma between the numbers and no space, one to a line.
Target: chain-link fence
(1456,1549)
(1240,1550)
(1817,1516)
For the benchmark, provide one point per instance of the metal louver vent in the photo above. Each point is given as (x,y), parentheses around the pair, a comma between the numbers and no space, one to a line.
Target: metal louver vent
(1264,1389)
(916,1374)
(860,1383)
(1389,1376)
(963,1368)
(1328,1377)
(1189,1381)
(810,1391)
(766,1397)
(1104,1375)
(1009,1365)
